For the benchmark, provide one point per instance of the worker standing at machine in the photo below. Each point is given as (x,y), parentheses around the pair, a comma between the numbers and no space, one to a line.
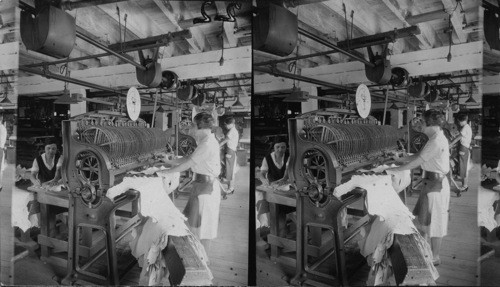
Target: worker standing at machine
(434,200)
(231,141)
(465,138)
(202,209)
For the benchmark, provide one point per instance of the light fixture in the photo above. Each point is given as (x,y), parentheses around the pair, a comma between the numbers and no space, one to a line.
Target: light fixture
(237,103)
(470,100)
(160,110)
(297,96)
(394,106)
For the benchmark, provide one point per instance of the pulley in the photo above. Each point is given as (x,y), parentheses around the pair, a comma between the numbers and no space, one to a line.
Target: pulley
(400,77)
(187,92)
(169,80)
(199,100)
(51,32)
(418,89)
(152,76)
(275,30)
(381,72)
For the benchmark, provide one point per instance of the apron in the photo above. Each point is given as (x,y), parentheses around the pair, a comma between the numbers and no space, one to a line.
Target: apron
(202,209)
(421,210)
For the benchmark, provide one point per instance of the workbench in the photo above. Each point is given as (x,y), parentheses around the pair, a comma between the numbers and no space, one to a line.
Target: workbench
(50,238)
(279,203)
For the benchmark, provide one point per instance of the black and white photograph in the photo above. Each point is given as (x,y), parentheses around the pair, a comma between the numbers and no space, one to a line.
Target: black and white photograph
(133,142)
(250,142)
(367,120)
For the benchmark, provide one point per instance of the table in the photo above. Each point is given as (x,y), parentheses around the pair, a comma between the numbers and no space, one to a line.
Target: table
(50,239)
(279,202)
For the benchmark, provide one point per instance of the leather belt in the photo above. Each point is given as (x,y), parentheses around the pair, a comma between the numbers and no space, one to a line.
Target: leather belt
(433,175)
(204,178)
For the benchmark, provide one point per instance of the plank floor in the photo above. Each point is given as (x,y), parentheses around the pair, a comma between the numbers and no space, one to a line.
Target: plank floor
(459,251)
(228,253)
(6,232)
(460,248)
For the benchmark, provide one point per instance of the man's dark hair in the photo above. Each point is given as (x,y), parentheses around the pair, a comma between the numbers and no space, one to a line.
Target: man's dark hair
(229,120)
(434,118)
(462,117)
(204,120)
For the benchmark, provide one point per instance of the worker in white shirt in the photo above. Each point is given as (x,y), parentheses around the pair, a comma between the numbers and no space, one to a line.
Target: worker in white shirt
(465,139)
(231,141)
(202,209)
(432,208)
(3,140)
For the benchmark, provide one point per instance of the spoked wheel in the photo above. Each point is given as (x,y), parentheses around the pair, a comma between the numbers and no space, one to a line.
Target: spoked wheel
(315,170)
(89,168)
(89,173)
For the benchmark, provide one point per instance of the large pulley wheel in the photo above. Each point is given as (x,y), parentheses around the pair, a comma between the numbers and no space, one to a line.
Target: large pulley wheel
(89,173)
(314,165)
(314,168)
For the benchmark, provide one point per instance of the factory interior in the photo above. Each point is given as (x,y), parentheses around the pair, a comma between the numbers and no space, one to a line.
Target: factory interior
(250,142)
(115,86)
(344,87)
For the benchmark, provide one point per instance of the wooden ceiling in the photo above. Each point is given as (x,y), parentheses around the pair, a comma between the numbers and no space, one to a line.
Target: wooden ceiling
(428,49)
(140,19)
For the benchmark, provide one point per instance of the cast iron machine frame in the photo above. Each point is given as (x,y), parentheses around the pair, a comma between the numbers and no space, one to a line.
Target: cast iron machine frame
(327,148)
(98,150)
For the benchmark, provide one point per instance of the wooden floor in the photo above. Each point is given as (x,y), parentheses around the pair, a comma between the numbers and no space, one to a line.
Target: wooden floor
(6,238)
(228,254)
(459,251)
(229,251)
(460,248)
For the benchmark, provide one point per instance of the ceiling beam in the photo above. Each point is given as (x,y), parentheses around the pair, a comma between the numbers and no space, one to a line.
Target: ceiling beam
(129,46)
(196,43)
(426,17)
(9,56)
(364,21)
(68,5)
(202,65)
(465,57)
(424,38)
